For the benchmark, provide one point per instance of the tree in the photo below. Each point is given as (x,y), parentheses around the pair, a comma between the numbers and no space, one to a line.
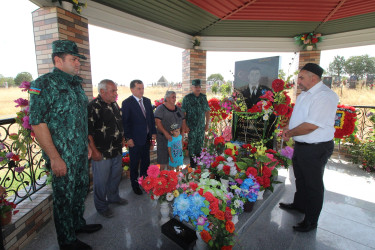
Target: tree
(360,65)
(9,80)
(337,67)
(22,77)
(226,88)
(216,78)
(215,88)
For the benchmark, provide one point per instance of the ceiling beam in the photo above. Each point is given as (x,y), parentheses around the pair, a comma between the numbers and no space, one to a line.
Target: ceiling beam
(330,14)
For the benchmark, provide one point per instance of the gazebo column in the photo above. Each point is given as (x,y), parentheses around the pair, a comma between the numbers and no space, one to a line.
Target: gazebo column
(193,67)
(312,56)
(55,23)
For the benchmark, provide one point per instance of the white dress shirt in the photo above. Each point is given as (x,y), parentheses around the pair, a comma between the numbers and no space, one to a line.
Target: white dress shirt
(317,106)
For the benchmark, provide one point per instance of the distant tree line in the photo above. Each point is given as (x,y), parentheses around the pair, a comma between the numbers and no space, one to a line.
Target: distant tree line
(14,82)
(358,66)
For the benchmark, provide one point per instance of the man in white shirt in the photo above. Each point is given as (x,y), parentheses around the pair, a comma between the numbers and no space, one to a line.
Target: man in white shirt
(312,128)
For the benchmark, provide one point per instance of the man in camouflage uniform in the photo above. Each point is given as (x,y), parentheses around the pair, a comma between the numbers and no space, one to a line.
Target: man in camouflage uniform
(58,115)
(197,115)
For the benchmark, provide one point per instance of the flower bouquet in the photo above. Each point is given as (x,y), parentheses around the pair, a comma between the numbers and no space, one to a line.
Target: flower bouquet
(307,40)
(7,209)
(225,165)
(158,102)
(159,184)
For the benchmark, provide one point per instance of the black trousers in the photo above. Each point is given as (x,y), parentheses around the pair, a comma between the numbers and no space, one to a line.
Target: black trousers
(309,161)
(139,156)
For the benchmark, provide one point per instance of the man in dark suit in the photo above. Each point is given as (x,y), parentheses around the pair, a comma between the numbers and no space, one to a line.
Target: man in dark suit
(139,127)
(256,88)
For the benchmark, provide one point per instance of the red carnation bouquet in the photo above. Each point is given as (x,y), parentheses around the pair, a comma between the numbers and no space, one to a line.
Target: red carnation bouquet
(159,184)
(345,121)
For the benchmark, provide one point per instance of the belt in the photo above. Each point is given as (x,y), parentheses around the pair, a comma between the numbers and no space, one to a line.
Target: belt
(315,143)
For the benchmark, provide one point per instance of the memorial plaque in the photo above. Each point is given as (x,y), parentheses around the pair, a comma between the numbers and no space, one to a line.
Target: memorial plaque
(327,80)
(247,130)
(370,80)
(352,82)
(254,77)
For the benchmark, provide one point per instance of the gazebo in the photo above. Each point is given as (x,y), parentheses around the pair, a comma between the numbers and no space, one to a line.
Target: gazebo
(226,25)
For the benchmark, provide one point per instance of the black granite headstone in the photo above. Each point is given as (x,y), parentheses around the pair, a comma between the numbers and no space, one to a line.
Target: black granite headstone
(247,130)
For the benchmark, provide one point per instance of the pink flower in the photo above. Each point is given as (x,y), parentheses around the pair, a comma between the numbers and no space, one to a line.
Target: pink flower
(25,86)
(140,180)
(201,221)
(21,102)
(153,171)
(287,152)
(239,181)
(268,95)
(26,123)
(227,133)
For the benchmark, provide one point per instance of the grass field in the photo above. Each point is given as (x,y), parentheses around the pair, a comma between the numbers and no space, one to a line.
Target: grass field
(365,97)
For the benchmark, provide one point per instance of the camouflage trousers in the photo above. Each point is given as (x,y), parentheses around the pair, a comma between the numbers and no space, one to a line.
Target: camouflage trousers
(195,141)
(69,193)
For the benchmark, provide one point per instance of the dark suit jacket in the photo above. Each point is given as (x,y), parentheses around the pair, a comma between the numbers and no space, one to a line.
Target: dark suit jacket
(248,98)
(134,123)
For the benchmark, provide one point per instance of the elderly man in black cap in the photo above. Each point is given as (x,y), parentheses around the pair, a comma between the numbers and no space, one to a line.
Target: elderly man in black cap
(312,128)
(197,115)
(58,115)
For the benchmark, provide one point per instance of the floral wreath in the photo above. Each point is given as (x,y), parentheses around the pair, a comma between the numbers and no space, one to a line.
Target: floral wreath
(345,121)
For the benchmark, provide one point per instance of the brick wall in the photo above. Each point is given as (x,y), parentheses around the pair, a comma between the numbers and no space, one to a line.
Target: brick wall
(54,23)
(193,67)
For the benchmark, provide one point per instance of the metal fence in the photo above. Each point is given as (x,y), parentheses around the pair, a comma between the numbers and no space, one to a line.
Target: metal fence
(26,176)
(364,125)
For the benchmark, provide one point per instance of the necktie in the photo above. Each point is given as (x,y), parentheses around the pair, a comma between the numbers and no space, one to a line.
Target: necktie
(142,107)
(254,90)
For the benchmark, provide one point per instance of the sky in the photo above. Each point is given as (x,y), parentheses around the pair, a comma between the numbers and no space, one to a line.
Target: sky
(123,57)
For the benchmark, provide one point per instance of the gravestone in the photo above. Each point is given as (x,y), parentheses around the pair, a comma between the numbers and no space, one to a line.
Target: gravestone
(352,82)
(248,130)
(327,80)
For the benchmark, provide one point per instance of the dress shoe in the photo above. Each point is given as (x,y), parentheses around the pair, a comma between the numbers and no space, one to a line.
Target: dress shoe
(290,206)
(89,228)
(76,245)
(121,201)
(305,226)
(137,191)
(107,213)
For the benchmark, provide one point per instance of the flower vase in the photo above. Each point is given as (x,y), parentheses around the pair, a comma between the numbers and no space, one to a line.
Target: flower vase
(67,6)
(248,206)
(8,218)
(164,211)
(235,219)
(309,47)
(199,243)
(260,195)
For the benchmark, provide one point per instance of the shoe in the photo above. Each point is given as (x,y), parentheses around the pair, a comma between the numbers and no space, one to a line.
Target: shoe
(290,206)
(137,191)
(89,228)
(76,245)
(107,213)
(305,226)
(121,201)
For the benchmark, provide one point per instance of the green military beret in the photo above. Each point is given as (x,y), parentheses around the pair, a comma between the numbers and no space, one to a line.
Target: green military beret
(196,82)
(66,46)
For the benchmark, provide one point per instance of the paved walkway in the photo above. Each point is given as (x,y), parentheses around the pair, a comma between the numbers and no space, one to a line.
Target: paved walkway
(346,222)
